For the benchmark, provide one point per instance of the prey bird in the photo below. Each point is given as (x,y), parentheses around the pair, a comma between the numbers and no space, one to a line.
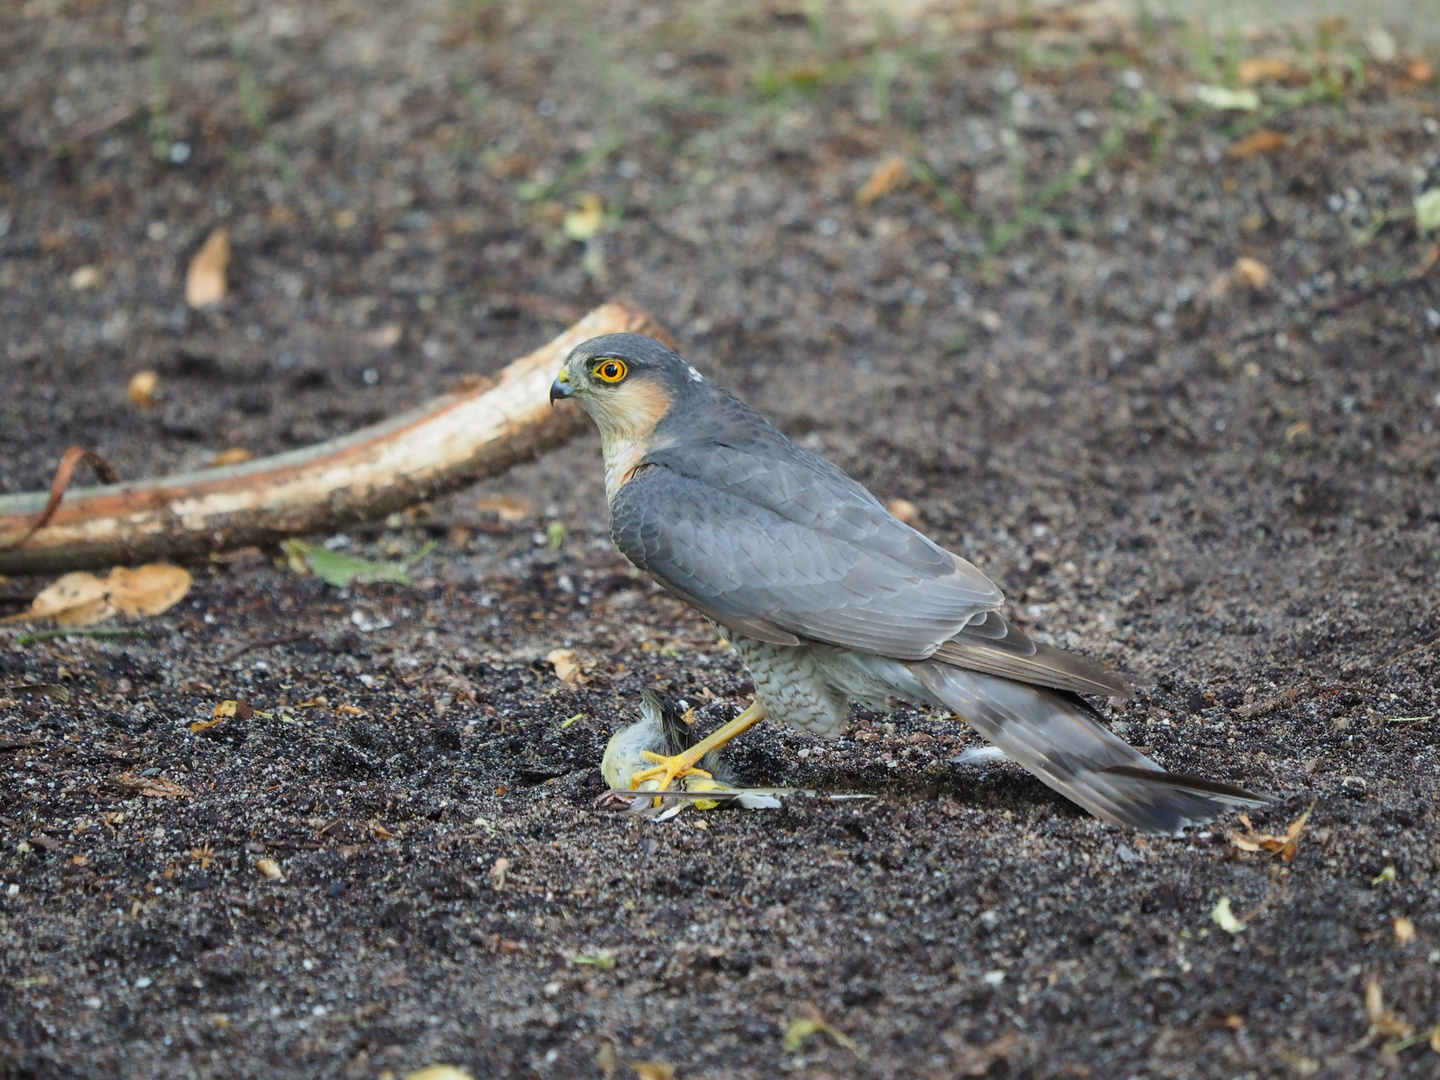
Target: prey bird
(828,598)
(662,731)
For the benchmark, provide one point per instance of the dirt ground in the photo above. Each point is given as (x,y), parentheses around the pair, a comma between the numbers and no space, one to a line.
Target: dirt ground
(1221,480)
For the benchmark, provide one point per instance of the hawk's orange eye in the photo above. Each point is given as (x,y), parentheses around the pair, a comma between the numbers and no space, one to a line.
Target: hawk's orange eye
(611,371)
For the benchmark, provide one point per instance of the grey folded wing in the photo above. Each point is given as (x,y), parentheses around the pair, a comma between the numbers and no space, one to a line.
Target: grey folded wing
(783,552)
(778,544)
(993,645)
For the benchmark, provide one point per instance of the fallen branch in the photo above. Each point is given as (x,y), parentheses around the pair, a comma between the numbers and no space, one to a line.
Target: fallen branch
(452,441)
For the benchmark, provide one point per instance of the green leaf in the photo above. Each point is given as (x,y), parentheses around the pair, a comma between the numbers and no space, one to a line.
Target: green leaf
(604,960)
(1427,210)
(342,571)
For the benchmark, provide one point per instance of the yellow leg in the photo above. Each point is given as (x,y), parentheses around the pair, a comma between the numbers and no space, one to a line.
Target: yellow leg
(669,769)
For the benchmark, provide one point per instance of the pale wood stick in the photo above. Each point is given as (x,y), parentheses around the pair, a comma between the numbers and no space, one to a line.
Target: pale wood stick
(452,441)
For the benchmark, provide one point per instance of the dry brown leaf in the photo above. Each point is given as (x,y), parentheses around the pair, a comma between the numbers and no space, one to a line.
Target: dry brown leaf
(270,868)
(1404,931)
(567,665)
(235,455)
(148,590)
(240,709)
(606,1058)
(1420,71)
(498,872)
(77,599)
(385,337)
(1284,846)
(1427,261)
(883,180)
(1263,141)
(86,277)
(1258,69)
(154,787)
(1382,1020)
(1251,272)
(205,280)
(507,508)
(653,1070)
(158,787)
(979,1060)
(1300,429)
(81,599)
(143,385)
(905,510)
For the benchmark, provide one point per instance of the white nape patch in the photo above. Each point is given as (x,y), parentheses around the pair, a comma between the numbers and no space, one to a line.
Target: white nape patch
(695,376)
(979,755)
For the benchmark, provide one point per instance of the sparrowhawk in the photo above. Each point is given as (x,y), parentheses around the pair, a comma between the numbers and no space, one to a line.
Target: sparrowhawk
(829,598)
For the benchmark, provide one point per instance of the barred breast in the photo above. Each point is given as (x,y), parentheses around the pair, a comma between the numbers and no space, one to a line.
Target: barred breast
(811,686)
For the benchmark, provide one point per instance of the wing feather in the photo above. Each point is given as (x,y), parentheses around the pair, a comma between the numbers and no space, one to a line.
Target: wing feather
(739,562)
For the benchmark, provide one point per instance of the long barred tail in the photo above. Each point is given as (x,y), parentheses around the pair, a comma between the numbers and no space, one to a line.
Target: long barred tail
(1059,738)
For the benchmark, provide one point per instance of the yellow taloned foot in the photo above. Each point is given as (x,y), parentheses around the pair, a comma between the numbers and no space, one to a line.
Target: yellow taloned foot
(669,769)
(666,771)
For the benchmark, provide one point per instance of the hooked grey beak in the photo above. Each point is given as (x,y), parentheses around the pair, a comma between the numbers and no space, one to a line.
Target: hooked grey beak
(560,388)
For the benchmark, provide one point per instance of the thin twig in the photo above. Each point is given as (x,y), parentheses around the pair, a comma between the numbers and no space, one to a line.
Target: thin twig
(72,457)
(266,643)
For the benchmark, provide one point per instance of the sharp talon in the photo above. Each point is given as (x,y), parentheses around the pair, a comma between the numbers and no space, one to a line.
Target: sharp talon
(666,771)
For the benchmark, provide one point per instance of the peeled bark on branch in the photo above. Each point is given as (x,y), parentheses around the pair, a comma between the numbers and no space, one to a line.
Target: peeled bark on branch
(452,441)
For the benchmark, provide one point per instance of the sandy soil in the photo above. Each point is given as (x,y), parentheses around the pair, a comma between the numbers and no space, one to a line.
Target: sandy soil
(1226,487)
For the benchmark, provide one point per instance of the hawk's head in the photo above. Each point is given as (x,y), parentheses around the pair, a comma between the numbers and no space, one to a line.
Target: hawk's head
(626,382)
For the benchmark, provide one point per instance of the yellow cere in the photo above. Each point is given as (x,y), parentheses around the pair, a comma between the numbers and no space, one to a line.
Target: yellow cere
(611,371)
